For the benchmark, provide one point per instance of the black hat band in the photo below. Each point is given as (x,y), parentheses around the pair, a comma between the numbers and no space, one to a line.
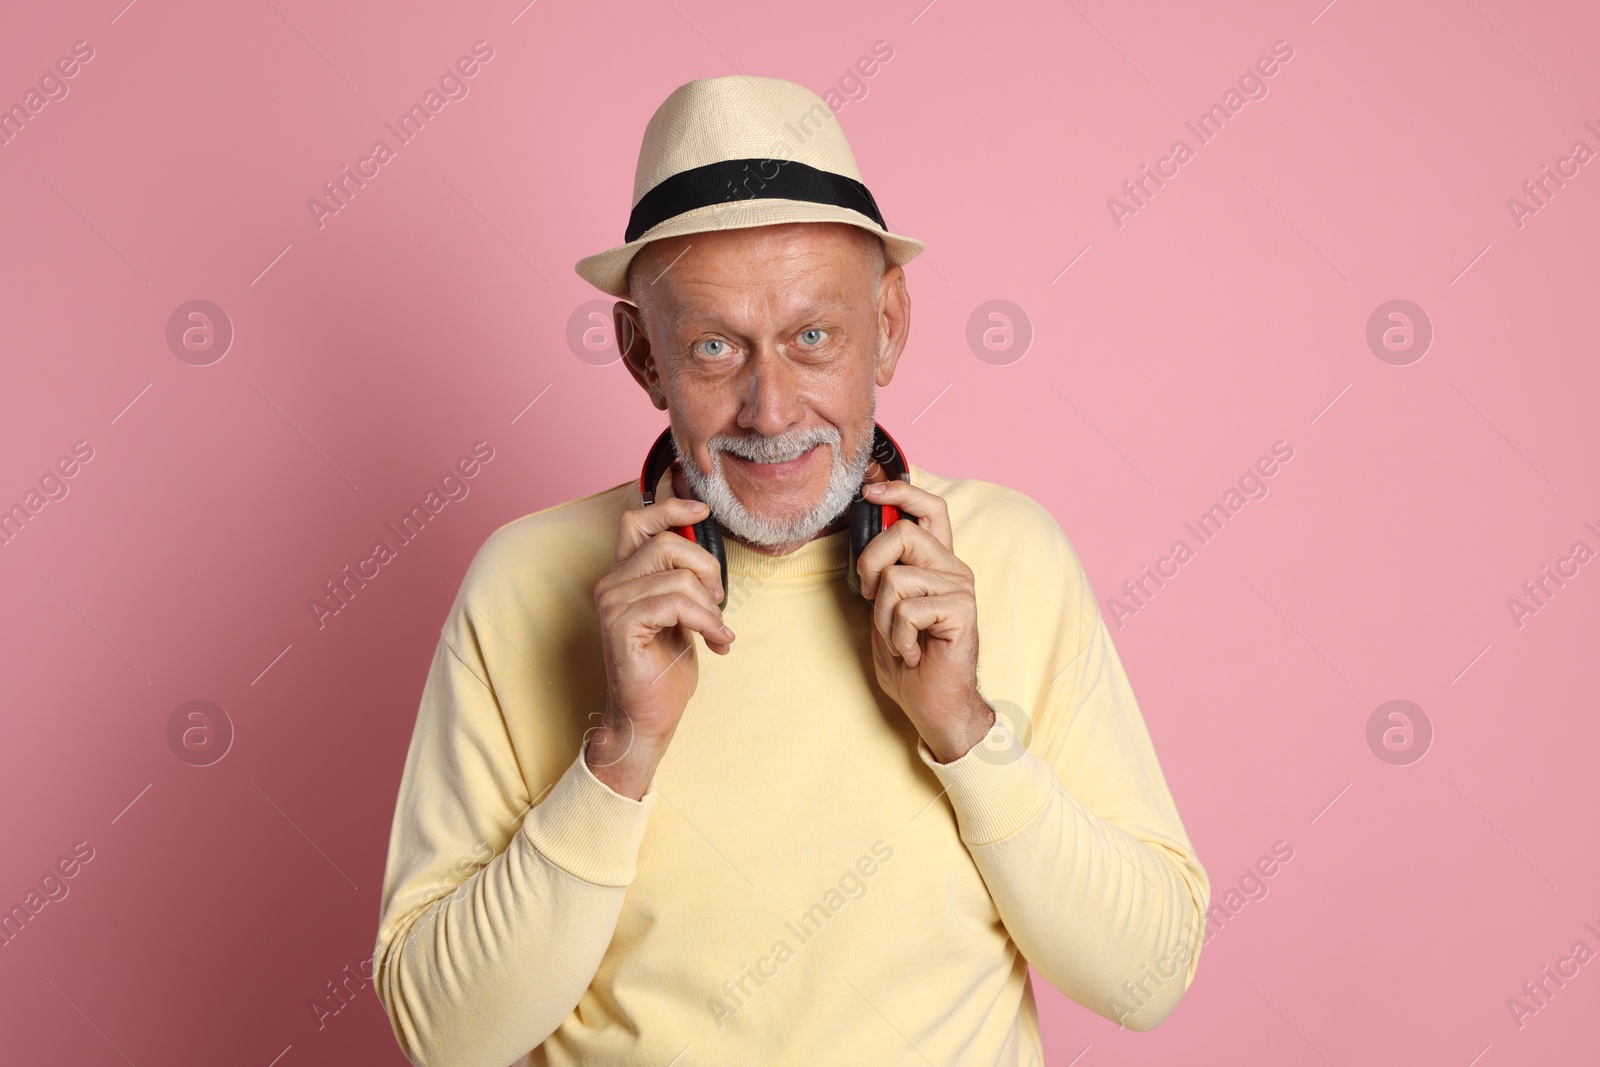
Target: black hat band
(748,179)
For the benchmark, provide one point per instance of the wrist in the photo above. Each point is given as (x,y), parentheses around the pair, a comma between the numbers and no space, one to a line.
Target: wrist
(625,764)
(979,720)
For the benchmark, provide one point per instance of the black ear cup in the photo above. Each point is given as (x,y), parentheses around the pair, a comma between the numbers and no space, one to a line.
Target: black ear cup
(866,522)
(708,535)
(705,533)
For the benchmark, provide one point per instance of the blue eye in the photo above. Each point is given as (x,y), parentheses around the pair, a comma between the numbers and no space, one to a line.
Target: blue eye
(804,334)
(713,342)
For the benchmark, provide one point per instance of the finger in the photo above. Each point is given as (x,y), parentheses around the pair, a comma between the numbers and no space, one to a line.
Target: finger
(657,583)
(929,509)
(903,582)
(650,615)
(667,582)
(908,543)
(944,617)
(667,551)
(640,524)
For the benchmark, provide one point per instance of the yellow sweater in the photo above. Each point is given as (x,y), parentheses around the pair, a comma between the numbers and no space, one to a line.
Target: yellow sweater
(803,883)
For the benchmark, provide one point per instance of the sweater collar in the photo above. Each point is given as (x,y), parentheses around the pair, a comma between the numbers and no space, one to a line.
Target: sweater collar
(830,552)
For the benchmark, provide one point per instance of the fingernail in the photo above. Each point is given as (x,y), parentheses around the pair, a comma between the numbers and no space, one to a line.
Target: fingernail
(728,633)
(720,593)
(875,488)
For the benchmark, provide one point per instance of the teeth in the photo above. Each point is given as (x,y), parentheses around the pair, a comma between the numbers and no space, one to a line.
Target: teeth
(786,459)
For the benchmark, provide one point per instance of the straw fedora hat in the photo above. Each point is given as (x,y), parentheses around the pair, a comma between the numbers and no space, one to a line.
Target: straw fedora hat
(740,151)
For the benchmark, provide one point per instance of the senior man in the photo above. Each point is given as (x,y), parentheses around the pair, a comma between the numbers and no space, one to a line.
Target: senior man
(845,835)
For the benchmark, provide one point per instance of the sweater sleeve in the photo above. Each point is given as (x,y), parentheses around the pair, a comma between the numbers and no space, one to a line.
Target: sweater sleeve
(1068,817)
(490,931)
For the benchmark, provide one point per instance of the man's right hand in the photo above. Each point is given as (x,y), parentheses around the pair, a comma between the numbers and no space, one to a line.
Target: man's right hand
(660,588)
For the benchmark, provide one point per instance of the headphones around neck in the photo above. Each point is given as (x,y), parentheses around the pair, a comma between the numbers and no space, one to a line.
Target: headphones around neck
(866,520)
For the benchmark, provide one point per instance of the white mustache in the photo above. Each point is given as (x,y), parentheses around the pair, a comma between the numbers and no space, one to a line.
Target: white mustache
(760,449)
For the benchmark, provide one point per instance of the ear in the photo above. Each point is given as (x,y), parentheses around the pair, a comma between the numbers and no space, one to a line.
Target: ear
(634,344)
(894,323)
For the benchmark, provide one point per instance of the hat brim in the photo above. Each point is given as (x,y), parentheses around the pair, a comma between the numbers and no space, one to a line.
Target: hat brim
(608,270)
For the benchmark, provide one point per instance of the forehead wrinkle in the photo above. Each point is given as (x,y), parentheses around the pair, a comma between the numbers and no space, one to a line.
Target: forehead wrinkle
(689,311)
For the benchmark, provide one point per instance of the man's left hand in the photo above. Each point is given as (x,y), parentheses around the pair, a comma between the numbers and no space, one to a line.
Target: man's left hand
(925,621)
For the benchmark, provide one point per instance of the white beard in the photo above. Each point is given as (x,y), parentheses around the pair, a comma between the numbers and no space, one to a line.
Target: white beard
(843,480)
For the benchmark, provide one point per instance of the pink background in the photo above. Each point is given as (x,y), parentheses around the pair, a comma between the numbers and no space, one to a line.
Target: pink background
(1229,313)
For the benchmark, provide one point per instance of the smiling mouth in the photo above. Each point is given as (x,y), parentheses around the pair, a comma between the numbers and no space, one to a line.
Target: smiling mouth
(781,469)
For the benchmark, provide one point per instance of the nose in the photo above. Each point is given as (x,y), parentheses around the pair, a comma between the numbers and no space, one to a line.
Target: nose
(772,402)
